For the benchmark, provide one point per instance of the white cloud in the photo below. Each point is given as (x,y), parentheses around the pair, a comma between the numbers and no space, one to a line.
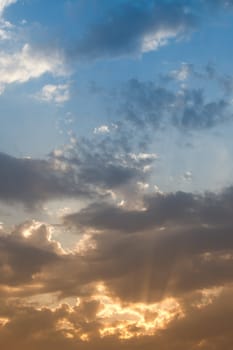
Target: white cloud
(27,64)
(3,33)
(143,186)
(188,176)
(155,40)
(54,93)
(143,156)
(5,3)
(183,73)
(103,129)
(5,26)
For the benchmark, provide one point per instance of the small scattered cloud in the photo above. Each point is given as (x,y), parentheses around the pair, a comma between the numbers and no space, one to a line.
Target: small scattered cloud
(183,73)
(103,129)
(54,93)
(188,176)
(151,104)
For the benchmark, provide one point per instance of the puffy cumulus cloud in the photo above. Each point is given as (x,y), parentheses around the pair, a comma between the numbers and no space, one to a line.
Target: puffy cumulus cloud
(28,63)
(54,93)
(130,28)
(23,252)
(151,104)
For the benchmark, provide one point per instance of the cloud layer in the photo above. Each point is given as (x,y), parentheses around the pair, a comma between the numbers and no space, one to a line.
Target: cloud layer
(155,276)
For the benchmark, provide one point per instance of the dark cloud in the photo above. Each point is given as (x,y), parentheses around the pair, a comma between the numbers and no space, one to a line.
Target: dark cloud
(128,24)
(111,162)
(150,265)
(147,104)
(84,171)
(207,327)
(33,180)
(23,256)
(180,246)
(178,208)
(180,243)
(131,27)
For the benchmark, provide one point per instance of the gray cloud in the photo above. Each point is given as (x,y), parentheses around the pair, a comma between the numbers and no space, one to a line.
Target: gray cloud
(179,247)
(83,171)
(23,256)
(206,319)
(181,243)
(132,27)
(148,104)
(30,180)
(178,208)
(209,326)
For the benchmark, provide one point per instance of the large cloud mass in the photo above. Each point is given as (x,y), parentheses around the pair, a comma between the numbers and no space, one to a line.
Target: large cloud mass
(175,255)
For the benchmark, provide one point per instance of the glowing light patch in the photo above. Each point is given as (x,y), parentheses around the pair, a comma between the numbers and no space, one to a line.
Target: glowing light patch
(3,321)
(66,327)
(208,296)
(27,232)
(137,319)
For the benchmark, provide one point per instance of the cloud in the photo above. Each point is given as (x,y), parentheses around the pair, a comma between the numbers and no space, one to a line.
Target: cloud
(150,104)
(5,26)
(161,276)
(119,302)
(21,66)
(24,252)
(31,181)
(102,129)
(183,73)
(131,28)
(5,3)
(89,168)
(67,327)
(179,208)
(54,93)
(179,243)
(188,176)
(107,163)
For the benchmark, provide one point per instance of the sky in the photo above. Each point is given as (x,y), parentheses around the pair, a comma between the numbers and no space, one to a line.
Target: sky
(116,168)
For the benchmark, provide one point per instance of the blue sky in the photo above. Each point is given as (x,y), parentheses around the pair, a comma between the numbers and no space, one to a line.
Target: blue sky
(116,172)
(89,79)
